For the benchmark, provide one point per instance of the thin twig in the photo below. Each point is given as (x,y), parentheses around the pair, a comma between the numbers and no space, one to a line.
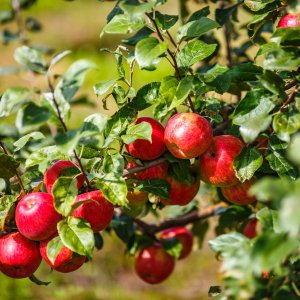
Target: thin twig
(290,85)
(171,39)
(16,172)
(191,217)
(289,100)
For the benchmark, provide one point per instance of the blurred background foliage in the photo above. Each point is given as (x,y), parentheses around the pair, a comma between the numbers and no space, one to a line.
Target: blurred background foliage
(76,25)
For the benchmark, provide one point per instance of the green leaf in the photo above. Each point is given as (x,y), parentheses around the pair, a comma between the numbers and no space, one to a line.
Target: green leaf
(64,193)
(268,218)
(31,116)
(6,205)
(273,83)
(199,230)
(94,124)
(214,291)
(286,123)
(12,99)
(154,186)
(234,214)
(20,143)
(140,35)
(165,22)
(182,91)
(77,235)
(67,142)
(223,14)
(148,52)
(119,58)
(247,163)
(278,162)
(227,242)
(6,16)
(172,246)
(8,166)
(122,24)
(113,163)
(135,9)
(203,12)
(104,86)
(53,248)
(196,28)
(256,5)
(31,58)
(193,52)
(114,188)
(138,131)
(293,149)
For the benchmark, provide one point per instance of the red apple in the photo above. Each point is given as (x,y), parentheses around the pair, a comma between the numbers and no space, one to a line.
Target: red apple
(159,171)
(250,229)
(238,194)
(66,261)
(216,164)
(98,211)
(187,135)
(36,217)
(144,149)
(54,171)
(184,236)
(181,193)
(19,257)
(288,20)
(153,264)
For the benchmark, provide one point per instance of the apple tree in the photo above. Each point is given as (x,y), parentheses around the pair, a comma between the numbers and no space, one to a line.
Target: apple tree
(224,123)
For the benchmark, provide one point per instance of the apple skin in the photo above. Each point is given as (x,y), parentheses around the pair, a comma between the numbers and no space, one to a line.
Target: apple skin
(181,193)
(159,171)
(53,172)
(184,236)
(19,257)
(66,260)
(144,149)
(36,217)
(238,194)
(216,164)
(288,20)
(187,135)
(153,264)
(250,229)
(98,212)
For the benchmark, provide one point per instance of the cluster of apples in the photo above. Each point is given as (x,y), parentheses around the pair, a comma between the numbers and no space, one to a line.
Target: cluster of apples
(36,218)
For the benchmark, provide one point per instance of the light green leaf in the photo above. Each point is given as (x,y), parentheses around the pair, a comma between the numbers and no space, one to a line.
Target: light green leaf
(103,86)
(182,91)
(6,204)
(148,52)
(53,248)
(77,235)
(138,131)
(20,143)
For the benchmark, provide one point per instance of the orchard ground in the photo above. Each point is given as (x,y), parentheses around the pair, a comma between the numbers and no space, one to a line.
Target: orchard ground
(111,275)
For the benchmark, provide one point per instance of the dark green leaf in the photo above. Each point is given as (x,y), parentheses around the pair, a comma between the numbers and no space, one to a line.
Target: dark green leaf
(223,14)
(8,166)
(203,12)
(165,22)
(140,35)
(155,186)
(172,246)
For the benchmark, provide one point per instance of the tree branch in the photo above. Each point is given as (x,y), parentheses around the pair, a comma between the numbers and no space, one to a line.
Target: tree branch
(183,220)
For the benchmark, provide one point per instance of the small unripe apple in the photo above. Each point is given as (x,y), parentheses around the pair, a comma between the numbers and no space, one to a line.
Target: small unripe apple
(137,197)
(216,164)
(97,211)
(54,172)
(250,228)
(19,257)
(239,194)
(153,264)
(66,260)
(184,236)
(181,193)
(36,217)
(187,135)
(159,171)
(144,149)
(289,20)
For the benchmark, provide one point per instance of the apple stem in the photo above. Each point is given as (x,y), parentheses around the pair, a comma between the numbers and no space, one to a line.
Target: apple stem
(16,172)
(188,218)
(175,65)
(65,129)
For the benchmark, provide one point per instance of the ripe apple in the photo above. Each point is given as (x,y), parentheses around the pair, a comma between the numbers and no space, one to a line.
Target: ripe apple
(98,211)
(19,257)
(66,261)
(54,171)
(144,149)
(184,236)
(159,171)
(216,164)
(288,20)
(36,217)
(238,194)
(250,228)
(153,264)
(181,193)
(187,135)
